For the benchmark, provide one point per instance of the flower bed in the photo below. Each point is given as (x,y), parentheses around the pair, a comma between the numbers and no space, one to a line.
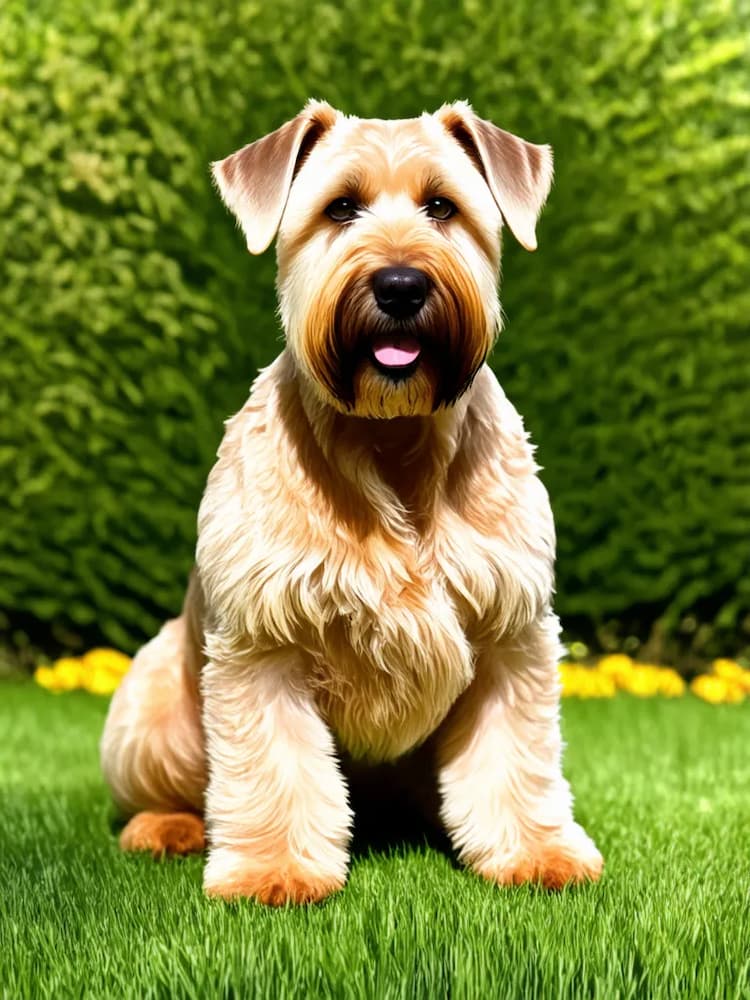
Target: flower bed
(728,682)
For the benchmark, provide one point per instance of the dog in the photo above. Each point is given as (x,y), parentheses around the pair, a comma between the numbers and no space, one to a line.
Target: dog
(374,566)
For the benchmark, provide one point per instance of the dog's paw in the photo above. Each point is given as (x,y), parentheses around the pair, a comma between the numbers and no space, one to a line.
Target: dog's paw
(164,833)
(567,859)
(284,882)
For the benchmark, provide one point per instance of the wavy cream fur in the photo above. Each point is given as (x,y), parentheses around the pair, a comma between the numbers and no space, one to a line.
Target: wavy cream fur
(374,565)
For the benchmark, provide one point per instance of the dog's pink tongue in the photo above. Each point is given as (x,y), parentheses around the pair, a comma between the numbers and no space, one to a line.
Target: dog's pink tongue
(396,352)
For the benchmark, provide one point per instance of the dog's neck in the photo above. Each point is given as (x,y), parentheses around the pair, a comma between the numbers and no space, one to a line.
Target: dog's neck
(398,467)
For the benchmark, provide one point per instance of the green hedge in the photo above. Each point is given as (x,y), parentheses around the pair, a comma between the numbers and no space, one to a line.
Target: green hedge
(133,321)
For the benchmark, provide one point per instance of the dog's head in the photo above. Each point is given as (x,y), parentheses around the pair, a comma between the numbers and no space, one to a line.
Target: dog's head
(388,246)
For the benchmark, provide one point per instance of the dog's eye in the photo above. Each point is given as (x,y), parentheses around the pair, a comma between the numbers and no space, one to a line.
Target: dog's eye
(342,210)
(440,209)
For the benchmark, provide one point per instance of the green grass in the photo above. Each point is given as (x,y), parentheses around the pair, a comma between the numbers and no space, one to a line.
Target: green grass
(664,787)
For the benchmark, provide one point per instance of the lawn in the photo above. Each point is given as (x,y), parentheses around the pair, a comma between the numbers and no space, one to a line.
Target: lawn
(663,786)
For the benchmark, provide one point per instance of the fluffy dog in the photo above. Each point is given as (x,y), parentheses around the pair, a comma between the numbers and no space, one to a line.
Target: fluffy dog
(375,551)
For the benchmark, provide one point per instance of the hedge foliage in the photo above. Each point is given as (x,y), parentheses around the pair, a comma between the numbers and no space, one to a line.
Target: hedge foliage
(133,321)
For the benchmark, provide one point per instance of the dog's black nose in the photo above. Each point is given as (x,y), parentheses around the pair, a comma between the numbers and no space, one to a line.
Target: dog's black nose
(400,291)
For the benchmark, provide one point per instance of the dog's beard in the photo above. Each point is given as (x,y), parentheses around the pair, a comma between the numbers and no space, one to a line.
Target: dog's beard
(452,331)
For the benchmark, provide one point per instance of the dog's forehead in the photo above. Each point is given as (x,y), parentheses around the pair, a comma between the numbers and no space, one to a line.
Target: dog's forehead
(385,133)
(388,147)
(392,163)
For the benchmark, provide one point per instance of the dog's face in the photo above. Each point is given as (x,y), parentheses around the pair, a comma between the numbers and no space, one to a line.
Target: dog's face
(388,247)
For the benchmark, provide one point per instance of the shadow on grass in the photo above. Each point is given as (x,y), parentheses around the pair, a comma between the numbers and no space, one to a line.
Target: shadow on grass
(390,818)
(388,822)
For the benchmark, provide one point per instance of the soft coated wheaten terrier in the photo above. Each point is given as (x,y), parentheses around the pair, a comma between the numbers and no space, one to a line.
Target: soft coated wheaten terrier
(375,554)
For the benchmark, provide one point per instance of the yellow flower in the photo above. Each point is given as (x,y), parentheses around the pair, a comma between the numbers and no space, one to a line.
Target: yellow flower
(731,671)
(45,677)
(716,689)
(64,675)
(671,685)
(101,682)
(68,673)
(664,680)
(583,682)
(110,660)
(617,666)
(600,685)
(642,681)
(735,693)
(564,671)
(726,668)
(99,671)
(569,675)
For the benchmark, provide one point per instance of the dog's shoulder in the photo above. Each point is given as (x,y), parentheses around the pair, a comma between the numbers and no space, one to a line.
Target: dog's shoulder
(494,429)
(496,538)
(244,510)
(494,474)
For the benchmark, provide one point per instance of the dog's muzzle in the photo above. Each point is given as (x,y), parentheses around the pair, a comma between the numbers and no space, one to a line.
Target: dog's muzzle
(403,321)
(400,293)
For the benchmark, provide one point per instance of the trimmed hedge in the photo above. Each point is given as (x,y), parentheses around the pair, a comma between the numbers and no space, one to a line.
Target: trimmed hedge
(133,321)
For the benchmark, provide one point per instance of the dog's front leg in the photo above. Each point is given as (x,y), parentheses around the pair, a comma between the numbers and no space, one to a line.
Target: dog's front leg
(276,805)
(505,802)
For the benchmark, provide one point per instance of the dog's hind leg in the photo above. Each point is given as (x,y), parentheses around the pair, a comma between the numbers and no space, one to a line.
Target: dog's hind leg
(152,750)
(164,833)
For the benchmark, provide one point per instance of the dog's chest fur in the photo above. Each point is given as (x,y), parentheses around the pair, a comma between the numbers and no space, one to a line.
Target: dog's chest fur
(388,616)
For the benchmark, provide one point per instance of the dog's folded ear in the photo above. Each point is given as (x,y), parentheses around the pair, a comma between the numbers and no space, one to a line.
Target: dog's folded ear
(518,173)
(254,182)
